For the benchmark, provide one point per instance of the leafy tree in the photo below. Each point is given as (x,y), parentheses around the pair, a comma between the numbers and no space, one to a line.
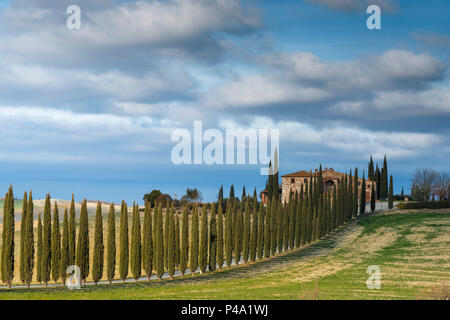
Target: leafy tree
(193,259)
(391,193)
(147,249)
(192,195)
(56,245)
(98,260)
(64,261)
(152,196)
(46,242)
(82,254)
(111,245)
(184,247)
(72,232)
(124,254)
(203,246)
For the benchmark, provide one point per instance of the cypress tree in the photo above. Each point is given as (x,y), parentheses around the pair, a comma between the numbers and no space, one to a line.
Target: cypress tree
(193,259)
(22,237)
(372,199)
(232,192)
(46,242)
(384,180)
(267,231)
(136,255)
(270,182)
(159,249)
(228,235)
(98,260)
(166,236)
(212,239)
(298,219)
(147,248)
(220,197)
(273,227)
(29,243)
(238,238)
(8,247)
(246,233)
(111,245)
(184,248)
(291,223)
(304,218)
(371,171)
(351,196)
(82,252)
(244,195)
(280,228)
(378,182)
(64,262)
(39,251)
(4,232)
(171,245)
(334,210)
(177,241)
(260,238)
(253,234)
(203,246)
(219,236)
(362,202)
(124,255)
(355,194)
(72,232)
(56,245)
(391,193)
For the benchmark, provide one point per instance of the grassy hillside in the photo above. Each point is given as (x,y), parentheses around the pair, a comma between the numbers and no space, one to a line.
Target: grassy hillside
(411,250)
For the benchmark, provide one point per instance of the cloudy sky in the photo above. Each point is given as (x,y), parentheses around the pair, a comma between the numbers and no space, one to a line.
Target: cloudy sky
(92,111)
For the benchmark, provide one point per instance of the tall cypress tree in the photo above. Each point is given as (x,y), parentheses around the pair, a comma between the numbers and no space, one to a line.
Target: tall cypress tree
(237,238)
(29,243)
(260,236)
(177,241)
(219,236)
(136,257)
(334,222)
(253,233)
(372,198)
(355,194)
(228,235)
(246,233)
(39,251)
(111,245)
(267,231)
(46,242)
(166,236)
(232,192)
(391,193)
(72,232)
(362,202)
(212,239)
(203,246)
(273,226)
(82,254)
(298,219)
(56,245)
(124,254)
(159,249)
(22,236)
(171,245)
(193,258)
(4,232)
(270,182)
(384,180)
(220,196)
(304,218)
(184,247)
(64,261)
(8,247)
(371,170)
(98,261)
(378,182)
(280,227)
(147,248)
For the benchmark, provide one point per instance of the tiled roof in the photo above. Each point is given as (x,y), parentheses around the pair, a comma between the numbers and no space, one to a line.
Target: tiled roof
(302,173)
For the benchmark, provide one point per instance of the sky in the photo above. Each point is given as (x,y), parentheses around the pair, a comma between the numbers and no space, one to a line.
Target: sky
(92,111)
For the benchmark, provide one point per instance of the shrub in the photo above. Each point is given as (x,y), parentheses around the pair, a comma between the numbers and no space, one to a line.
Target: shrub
(425,205)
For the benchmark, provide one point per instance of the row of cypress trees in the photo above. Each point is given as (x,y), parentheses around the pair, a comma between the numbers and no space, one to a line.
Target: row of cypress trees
(166,242)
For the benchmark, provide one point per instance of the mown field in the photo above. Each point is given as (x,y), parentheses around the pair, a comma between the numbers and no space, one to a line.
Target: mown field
(411,249)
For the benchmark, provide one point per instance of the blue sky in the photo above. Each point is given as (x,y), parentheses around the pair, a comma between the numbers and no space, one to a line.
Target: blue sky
(92,111)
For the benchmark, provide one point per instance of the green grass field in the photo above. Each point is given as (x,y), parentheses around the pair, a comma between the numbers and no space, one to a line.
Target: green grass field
(411,250)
